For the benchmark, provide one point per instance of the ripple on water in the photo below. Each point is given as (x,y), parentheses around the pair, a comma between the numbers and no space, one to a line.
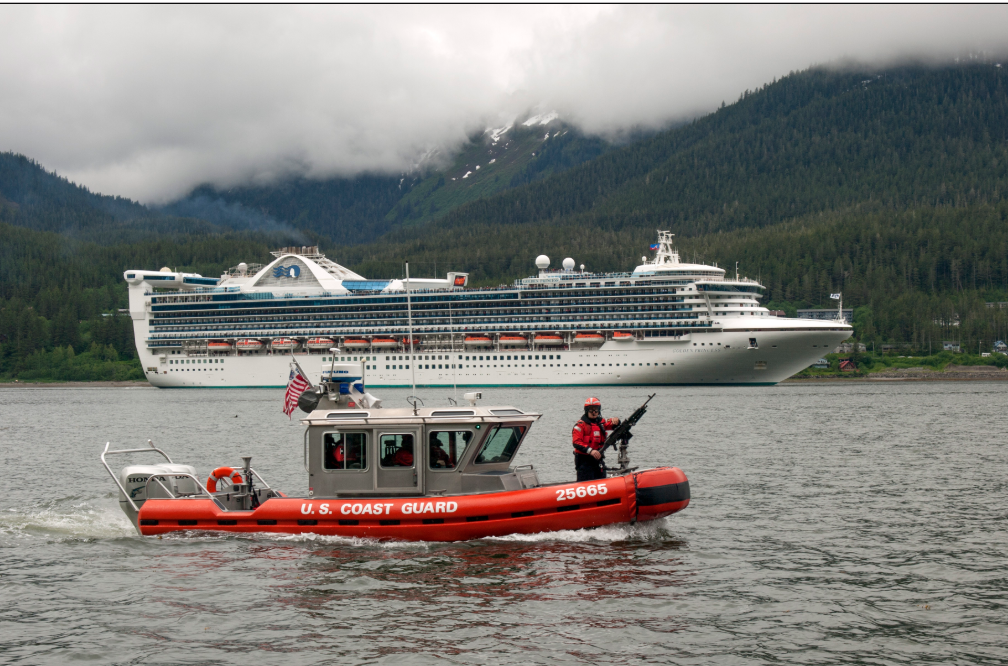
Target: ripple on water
(835,524)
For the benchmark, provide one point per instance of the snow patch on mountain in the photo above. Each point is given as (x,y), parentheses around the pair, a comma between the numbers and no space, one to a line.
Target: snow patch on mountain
(496,134)
(541,119)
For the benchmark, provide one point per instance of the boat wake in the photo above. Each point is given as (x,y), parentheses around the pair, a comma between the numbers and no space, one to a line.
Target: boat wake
(68,518)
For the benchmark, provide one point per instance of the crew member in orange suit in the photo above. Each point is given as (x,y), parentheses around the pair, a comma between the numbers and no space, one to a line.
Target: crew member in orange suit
(589,434)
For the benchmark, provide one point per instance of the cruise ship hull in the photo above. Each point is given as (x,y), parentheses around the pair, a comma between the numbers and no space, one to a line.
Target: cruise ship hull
(717,357)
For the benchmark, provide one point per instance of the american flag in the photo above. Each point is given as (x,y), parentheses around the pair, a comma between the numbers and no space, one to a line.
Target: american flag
(296,385)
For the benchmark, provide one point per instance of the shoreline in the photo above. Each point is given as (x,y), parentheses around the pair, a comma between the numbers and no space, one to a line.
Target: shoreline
(888,377)
(99,384)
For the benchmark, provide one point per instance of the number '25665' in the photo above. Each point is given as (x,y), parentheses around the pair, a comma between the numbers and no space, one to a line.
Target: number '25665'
(581,491)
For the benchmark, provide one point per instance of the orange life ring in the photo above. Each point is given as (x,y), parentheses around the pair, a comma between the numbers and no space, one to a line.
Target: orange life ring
(222,473)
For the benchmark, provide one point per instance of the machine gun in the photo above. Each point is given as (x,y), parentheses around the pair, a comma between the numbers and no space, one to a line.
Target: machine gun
(621,435)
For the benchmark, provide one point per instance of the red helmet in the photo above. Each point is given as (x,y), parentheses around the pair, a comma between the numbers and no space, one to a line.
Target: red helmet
(593,402)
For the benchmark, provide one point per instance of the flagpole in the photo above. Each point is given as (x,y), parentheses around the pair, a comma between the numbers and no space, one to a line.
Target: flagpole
(300,369)
(409,320)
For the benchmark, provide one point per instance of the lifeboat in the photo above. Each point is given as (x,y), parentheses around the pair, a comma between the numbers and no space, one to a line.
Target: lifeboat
(355,343)
(620,335)
(589,338)
(320,344)
(249,345)
(219,346)
(549,341)
(447,476)
(478,341)
(385,343)
(513,341)
(283,344)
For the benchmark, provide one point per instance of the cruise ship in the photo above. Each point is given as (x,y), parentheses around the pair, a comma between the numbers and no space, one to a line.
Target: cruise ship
(667,322)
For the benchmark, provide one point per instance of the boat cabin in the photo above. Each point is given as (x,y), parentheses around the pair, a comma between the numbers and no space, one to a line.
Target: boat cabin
(405,452)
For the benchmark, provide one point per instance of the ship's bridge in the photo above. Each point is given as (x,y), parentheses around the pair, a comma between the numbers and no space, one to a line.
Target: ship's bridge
(666,263)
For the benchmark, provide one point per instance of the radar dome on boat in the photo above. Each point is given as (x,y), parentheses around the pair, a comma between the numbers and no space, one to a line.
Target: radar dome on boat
(568,264)
(165,269)
(542,262)
(242,268)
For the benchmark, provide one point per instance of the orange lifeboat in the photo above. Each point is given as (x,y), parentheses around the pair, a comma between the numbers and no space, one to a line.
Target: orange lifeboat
(549,340)
(385,343)
(356,343)
(320,344)
(620,335)
(513,341)
(589,339)
(219,346)
(478,341)
(249,345)
(283,344)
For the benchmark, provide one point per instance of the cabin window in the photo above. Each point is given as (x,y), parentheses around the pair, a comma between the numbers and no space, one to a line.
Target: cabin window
(344,450)
(446,447)
(396,450)
(500,445)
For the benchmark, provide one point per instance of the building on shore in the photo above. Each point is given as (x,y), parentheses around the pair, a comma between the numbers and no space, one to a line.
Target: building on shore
(848,347)
(948,345)
(826,314)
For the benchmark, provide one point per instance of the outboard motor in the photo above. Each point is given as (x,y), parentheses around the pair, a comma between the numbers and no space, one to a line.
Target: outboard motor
(170,476)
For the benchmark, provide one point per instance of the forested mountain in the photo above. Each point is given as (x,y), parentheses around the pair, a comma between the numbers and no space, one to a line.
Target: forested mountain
(813,141)
(886,185)
(37,199)
(360,209)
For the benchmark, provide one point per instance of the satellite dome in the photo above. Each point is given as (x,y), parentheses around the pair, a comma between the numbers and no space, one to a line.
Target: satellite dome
(568,264)
(242,268)
(542,262)
(165,269)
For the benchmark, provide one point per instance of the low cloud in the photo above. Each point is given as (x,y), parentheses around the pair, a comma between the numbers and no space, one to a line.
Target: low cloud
(148,101)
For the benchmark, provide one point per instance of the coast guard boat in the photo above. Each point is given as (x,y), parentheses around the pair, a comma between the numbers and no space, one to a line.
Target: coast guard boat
(666,322)
(432,474)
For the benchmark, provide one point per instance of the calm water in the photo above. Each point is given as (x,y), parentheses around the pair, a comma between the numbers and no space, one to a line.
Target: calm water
(857,523)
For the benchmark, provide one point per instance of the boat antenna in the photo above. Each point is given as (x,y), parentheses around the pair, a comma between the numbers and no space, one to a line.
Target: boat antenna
(451,338)
(409,323)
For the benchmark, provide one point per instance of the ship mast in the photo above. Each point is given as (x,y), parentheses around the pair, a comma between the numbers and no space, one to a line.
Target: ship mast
(409,323)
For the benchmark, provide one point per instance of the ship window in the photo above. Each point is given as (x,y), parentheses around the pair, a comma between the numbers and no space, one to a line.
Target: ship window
(344,450)
(447,447)
(501,444)
(396,450)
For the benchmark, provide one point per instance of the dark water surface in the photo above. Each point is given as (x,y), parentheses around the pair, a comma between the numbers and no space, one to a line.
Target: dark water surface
(855,523)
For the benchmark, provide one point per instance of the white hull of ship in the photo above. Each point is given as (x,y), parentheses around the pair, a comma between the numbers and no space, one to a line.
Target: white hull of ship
(714,357)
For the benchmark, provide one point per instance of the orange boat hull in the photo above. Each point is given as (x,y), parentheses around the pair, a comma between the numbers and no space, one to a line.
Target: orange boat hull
(641,496)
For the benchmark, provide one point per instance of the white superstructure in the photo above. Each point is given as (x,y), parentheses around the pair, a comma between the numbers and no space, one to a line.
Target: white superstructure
(667,322)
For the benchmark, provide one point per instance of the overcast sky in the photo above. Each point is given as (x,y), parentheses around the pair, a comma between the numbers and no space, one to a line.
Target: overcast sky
(147,102)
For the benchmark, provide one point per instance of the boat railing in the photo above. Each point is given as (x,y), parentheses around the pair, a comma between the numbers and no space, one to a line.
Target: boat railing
(202,489)
(106,452)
